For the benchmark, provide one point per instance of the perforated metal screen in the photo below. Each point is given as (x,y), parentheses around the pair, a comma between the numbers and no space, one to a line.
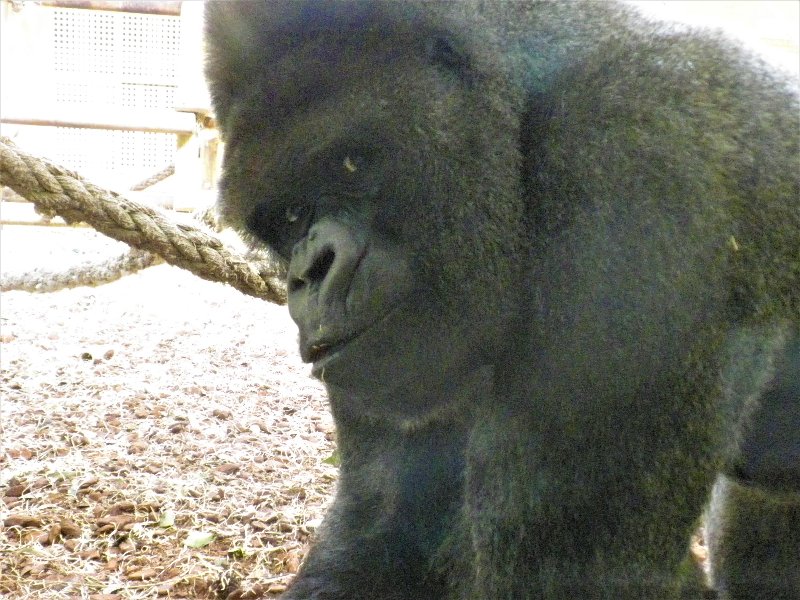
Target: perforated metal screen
(111,61)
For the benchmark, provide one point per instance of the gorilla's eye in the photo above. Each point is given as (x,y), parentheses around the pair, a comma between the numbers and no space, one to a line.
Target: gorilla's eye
(294,212)
(349,166)
(352,163)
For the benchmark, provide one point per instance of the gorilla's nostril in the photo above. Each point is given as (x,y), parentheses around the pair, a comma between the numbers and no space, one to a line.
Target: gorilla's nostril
(316,272)
(321,265)
(294,284)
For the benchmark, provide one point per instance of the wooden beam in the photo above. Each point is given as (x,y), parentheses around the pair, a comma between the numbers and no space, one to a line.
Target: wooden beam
(151,7)
(91,117)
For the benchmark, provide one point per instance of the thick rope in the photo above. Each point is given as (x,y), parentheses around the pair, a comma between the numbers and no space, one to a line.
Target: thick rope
(83,275)
(57,191)
(90,273)
(167,171)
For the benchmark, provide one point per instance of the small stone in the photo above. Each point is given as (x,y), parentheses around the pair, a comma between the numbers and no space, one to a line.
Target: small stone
(71,545)
(228,468)
(137,447)
(24,453)
(15,491)
(53,532)
(22,520)
(126,506)
(221,413)
(142,574)
(69,529)
(89,481)
(115,522)
(39,483)
(262,426)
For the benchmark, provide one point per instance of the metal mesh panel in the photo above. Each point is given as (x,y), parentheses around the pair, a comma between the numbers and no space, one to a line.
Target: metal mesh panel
(84,42)
(113,60)
(150,48)
(109,156)
(147,96)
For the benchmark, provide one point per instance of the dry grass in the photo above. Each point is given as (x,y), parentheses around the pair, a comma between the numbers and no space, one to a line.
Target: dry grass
(136,413)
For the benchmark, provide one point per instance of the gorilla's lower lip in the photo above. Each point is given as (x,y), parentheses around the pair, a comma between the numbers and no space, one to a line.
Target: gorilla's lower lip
(321,353)
(323,357)
(323,350)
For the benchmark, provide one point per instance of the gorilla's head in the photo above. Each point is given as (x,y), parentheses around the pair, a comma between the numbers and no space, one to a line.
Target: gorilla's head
(378,155)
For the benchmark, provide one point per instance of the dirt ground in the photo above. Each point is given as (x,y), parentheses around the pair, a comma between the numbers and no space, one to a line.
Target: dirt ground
(160,437)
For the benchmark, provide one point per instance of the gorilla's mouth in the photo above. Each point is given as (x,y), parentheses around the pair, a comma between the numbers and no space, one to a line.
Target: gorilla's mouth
(319,351)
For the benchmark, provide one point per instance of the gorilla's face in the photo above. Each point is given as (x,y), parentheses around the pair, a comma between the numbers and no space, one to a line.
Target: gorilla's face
(368,172)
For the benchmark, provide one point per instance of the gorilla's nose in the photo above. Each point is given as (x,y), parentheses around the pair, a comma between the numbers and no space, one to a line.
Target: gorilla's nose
(321,270)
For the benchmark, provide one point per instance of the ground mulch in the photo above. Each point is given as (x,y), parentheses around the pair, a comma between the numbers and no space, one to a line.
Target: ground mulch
(160,437)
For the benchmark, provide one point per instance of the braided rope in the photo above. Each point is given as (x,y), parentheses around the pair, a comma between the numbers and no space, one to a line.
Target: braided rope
(83,275)
(167,171)
(57,191)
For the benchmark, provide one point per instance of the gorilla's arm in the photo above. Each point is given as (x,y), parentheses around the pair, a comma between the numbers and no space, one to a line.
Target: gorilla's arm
(398,498)
(770,448)
(753,524)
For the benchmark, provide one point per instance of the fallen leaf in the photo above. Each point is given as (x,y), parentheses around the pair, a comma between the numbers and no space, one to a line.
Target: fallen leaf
(198,539)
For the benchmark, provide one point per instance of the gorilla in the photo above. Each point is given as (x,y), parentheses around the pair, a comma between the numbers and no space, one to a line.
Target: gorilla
(545,257)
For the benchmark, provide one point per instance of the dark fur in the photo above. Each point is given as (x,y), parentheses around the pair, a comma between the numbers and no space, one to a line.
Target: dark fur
(546,259)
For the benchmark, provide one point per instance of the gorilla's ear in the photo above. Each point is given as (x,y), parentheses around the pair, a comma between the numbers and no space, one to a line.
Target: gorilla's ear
(442,50)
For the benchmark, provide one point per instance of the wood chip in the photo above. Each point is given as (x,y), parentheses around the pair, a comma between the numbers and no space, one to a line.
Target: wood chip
(22,520)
